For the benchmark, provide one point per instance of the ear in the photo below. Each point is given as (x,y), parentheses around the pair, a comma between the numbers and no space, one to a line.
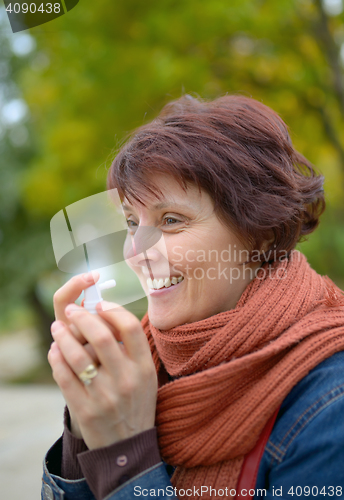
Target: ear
(267,243)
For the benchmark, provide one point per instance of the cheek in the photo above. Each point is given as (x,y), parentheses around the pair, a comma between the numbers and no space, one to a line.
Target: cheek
(184,248)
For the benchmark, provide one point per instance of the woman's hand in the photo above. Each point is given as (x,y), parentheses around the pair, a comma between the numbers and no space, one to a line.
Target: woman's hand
(120,401)
(65,295)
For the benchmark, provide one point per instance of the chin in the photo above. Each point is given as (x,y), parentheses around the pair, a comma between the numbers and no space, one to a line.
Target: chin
(162,323)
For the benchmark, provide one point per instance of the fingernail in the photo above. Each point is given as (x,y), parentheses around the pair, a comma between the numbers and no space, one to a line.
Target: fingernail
(71,308)
(88,277)
(54,347)
(57,325)
(91,277)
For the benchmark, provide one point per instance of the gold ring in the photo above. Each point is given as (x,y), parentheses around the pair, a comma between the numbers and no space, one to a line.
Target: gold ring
(88,374)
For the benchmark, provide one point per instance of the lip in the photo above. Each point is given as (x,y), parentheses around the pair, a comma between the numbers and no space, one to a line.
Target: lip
(164,291)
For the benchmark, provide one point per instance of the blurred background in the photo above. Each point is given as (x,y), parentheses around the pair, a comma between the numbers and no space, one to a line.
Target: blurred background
(72,89)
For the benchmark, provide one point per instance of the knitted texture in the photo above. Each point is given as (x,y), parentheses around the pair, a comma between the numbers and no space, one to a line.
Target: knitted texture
(232,370)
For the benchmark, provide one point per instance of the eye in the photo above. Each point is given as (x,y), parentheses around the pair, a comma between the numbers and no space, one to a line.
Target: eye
(170,220)
(131,224)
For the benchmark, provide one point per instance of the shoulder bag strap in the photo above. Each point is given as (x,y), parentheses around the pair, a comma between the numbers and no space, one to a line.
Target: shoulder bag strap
(249,471)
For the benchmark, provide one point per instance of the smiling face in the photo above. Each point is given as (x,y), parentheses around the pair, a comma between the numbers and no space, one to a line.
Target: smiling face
(198,268)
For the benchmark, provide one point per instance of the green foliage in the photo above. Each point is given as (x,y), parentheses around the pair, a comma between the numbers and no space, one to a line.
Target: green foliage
(113,66)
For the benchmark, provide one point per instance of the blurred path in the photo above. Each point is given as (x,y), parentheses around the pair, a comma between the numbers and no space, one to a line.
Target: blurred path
(30,421)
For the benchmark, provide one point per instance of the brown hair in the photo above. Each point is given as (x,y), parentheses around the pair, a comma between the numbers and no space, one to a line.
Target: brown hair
(239,151)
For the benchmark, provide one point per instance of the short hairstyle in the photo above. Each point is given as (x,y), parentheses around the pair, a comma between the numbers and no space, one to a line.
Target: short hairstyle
(239,151)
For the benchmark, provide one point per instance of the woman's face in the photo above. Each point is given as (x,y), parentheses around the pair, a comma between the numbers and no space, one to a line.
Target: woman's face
(201,253)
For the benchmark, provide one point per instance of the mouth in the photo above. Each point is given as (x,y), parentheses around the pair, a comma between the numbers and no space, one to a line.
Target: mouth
(158,286)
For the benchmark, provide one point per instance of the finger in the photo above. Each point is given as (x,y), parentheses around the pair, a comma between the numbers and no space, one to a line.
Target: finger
(85,344)
(92,353)
(98,334)
(72,388)
(70,292)
(77,357)
(130,328)
(77,334)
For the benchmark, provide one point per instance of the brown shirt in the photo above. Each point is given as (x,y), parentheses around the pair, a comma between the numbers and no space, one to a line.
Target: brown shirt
(107,468)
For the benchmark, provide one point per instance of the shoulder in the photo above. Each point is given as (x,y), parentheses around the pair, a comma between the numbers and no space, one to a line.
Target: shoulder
(316,393)
(308,434)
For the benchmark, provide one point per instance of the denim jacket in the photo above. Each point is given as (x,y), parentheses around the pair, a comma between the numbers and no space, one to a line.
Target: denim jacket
(304,456)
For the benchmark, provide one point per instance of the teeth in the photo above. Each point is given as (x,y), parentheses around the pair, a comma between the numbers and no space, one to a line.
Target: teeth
(160,283)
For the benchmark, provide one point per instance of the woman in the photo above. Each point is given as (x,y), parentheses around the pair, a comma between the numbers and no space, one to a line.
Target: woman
(238,328)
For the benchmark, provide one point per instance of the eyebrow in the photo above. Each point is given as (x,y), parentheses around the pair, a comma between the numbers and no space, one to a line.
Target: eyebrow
(161,205)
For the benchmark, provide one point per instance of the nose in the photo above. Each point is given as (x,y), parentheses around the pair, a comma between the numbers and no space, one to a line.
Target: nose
(147,249)
(148,258)
(145,237)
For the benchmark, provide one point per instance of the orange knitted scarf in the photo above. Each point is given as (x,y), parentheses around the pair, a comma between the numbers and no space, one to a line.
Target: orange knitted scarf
(232,370)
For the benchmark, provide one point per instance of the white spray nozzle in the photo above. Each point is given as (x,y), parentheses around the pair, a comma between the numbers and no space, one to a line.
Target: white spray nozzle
(107,284)
(93,295)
